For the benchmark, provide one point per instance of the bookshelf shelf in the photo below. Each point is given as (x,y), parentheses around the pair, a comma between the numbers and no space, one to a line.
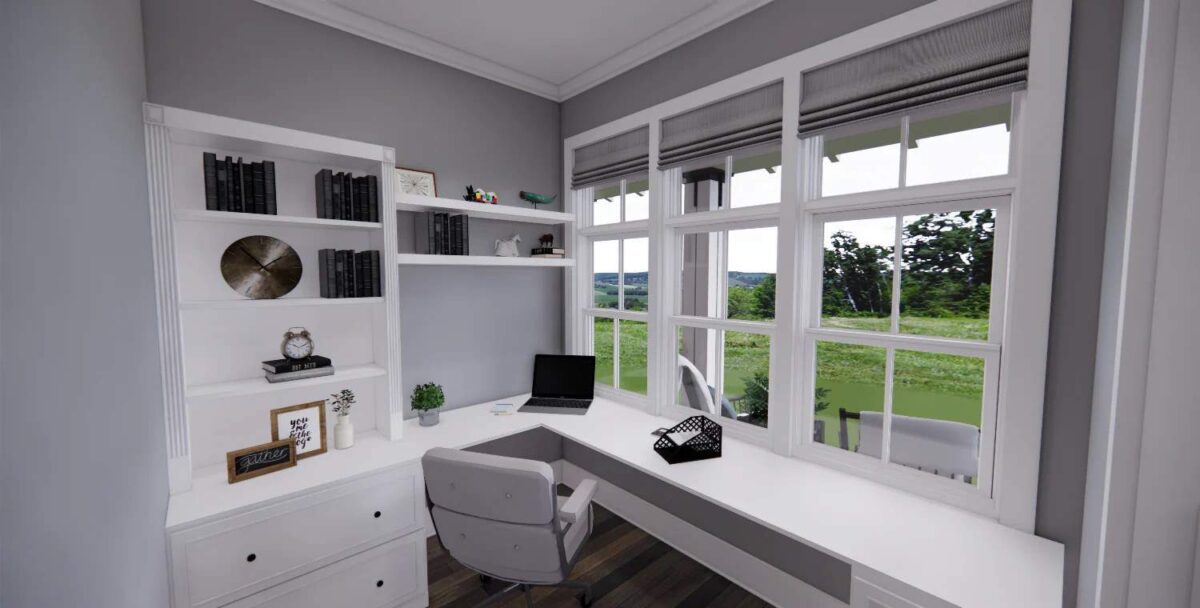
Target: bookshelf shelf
(418,259)
(255,386)
(277,302)
(411,202)
(230,217)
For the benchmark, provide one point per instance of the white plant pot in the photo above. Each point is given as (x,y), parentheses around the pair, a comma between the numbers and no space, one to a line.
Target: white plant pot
(428,417)
(343,433)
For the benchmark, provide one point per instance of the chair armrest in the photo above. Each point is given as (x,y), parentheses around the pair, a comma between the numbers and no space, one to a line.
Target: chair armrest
(576,507)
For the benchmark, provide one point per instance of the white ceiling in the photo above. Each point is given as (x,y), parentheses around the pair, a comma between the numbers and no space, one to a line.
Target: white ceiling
(551,48)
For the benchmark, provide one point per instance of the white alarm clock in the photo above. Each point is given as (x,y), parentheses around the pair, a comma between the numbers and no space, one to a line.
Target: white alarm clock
(297,343)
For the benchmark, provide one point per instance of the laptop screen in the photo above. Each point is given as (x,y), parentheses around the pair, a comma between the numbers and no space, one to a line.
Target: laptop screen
(564,376)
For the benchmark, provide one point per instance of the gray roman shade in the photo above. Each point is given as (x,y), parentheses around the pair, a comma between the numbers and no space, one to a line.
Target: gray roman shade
(980,53)
(611,158)
(746,119)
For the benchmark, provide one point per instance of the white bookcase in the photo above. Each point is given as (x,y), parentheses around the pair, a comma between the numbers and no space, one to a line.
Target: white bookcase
(212,339)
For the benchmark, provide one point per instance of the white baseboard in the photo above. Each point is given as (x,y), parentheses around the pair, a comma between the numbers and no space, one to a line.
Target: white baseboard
(747,571)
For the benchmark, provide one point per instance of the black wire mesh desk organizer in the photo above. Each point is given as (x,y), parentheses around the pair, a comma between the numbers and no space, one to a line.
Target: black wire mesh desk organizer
(696,438)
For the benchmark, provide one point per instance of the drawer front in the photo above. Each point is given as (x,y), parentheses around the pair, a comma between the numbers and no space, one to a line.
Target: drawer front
(389,575)
(881,592)
(233,558)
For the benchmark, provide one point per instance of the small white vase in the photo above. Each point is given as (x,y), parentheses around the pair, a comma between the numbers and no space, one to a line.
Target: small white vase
(343,433)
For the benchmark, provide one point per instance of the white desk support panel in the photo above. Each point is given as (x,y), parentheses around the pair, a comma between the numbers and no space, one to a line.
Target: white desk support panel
(795,533)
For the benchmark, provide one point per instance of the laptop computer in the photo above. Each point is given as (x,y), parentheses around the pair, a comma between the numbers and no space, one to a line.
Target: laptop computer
(562,384)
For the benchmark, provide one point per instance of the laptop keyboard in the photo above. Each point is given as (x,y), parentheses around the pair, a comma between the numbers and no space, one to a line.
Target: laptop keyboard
(553,402)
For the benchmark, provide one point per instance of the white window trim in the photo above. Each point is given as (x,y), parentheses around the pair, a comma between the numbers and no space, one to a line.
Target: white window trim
(1036,153)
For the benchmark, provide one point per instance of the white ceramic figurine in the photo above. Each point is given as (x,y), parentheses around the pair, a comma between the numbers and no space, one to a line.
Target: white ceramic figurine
(507,248)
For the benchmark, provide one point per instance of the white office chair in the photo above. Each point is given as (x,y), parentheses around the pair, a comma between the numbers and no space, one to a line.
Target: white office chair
(941,447)
(502,518)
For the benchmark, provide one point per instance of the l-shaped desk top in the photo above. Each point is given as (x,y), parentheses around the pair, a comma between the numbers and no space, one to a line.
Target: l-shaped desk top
(959,556)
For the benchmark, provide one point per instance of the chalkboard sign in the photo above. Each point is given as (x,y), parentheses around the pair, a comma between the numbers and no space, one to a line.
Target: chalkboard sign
(251,462)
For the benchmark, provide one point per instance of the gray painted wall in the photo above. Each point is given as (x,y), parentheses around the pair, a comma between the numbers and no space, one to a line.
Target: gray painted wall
(82,451)
(782,28)
(776,30)
(242,59)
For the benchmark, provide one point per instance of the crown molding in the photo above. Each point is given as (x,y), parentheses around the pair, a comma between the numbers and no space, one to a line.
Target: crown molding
(328,13)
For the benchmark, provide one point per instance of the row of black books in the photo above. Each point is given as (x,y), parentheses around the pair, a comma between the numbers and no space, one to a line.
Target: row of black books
(341,196)
(442,234)
(244,187)
(548,252)
(283,370)
(349,274)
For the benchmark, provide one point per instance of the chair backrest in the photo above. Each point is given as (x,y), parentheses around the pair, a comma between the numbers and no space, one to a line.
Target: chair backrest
(495,514)
(938,446)
(695,388)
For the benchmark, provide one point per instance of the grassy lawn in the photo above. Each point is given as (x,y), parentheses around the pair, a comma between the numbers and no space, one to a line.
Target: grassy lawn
(966,329)
(945,387)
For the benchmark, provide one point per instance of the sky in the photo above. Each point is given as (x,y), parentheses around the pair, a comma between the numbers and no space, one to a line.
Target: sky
(935,159)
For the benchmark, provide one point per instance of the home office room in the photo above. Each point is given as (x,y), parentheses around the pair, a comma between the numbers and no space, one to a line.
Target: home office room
(685,303)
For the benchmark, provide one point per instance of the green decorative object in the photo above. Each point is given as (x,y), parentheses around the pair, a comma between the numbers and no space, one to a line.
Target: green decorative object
(426,399)
(537,199)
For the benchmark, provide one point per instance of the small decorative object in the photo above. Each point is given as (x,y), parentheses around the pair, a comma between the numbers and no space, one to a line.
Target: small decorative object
(546,240)
(251,462)
(537,199)
(261,267)
(412,181)
(305,423)
(479,196)
(696,438)
(546,248)
(343,431)
(297,344)
(426,399)
(507,248)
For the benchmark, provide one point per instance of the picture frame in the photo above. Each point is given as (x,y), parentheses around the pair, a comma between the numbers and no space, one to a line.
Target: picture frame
(416,181)
(305,423)
(256,460)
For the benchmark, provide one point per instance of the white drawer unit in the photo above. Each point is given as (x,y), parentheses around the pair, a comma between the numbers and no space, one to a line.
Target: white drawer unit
(222,561)
(388,576)
(872,590)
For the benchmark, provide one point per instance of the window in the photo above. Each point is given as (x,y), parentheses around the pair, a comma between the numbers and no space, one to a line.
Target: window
(900,350)
(619,201)
(963,139)
(754,178)
(619,324)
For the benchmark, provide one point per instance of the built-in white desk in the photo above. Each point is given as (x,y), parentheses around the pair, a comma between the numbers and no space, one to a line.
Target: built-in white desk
(914,552)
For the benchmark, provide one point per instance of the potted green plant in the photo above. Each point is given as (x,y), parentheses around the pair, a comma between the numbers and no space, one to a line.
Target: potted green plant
(426,400)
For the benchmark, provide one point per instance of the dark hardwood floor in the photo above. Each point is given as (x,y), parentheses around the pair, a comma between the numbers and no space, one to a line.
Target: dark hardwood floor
(626,567)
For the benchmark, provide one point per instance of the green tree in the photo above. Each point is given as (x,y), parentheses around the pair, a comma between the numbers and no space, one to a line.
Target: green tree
(856,278)
(755,398)
(948,264)
(741,303)
(764,297)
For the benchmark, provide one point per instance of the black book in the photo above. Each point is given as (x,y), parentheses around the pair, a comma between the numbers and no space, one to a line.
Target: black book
(348,197)
(364,195)
(376,285)
(243,185)
(455,234)
(362,273)
(349,277)
(324,189)
(331,272)
(259,188)
(210,181)
(439,233)
(284,366)
(269,186)
(222,186)
(231,177)
(466,235)
(235,186)
(323,272)
(372,198)
(339,274)
(445,234)
(336,198)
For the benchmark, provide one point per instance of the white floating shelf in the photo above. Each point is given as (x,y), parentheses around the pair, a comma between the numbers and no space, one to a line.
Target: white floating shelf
(412,202)
(277,302)
(417,259)
(232,217)
(254,386)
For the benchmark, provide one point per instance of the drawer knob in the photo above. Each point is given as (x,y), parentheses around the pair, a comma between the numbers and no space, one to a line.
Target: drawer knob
(378,583)
(378,515)
(251,557)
